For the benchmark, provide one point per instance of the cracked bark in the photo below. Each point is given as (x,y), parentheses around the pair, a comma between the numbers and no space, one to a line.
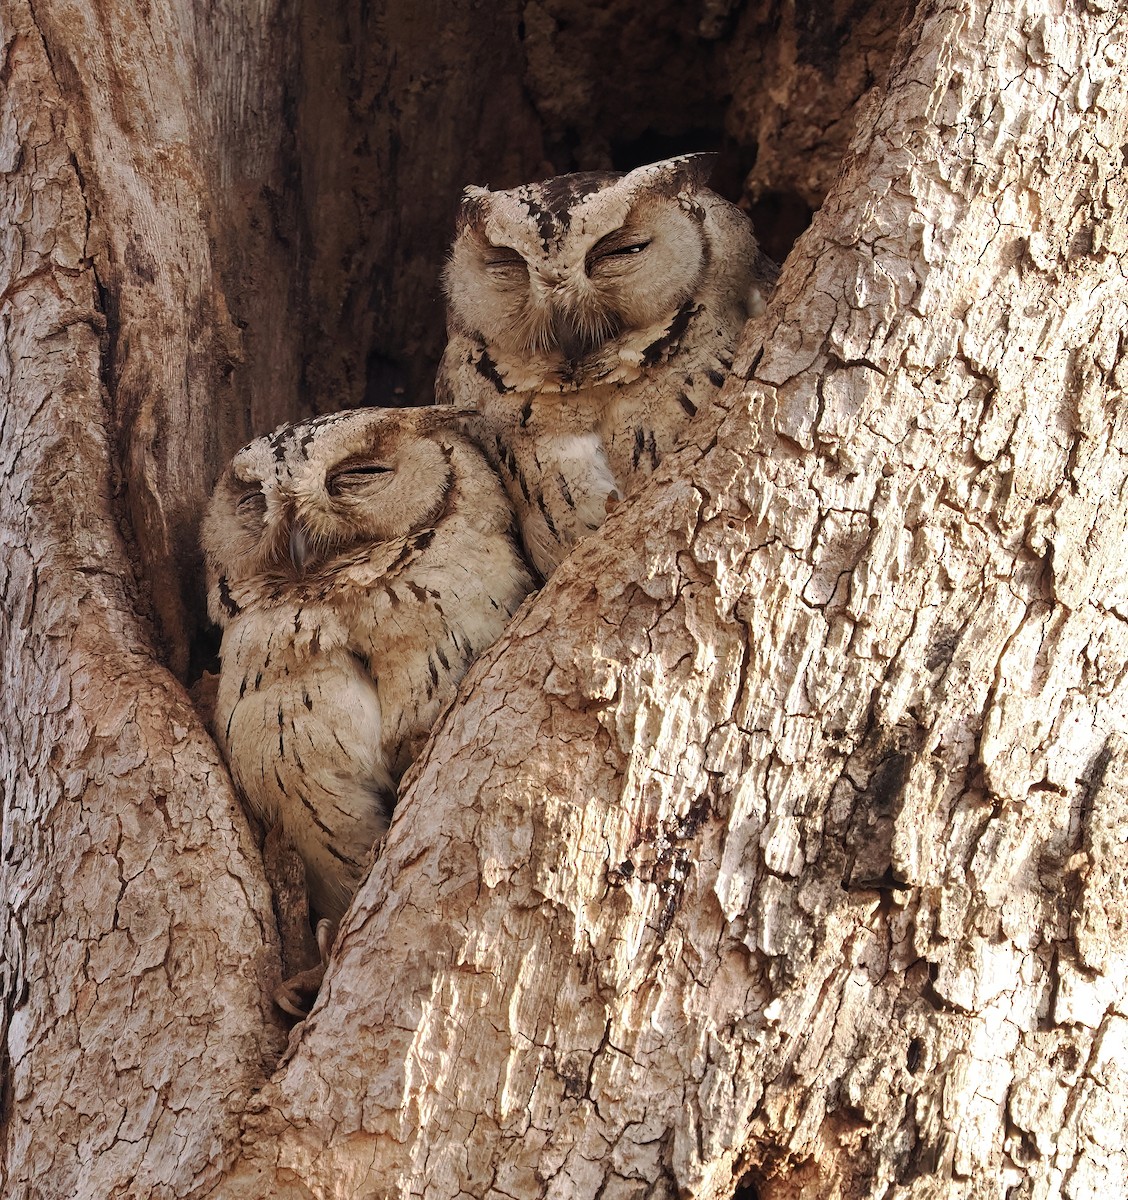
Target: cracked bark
(782,839)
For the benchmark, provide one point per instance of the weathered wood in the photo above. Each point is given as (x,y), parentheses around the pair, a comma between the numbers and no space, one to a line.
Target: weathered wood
(137,937)
(754,847)
(782,838)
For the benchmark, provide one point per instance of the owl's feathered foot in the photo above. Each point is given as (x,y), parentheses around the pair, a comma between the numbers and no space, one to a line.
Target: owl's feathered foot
(301,958)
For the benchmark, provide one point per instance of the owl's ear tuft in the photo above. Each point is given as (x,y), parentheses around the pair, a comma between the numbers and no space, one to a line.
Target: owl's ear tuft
(432,417)
(673,175)
(695,170)
(463,419)
(472,208)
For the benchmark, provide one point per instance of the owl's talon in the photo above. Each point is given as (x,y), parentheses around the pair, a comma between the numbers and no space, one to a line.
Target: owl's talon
(325,932)
(297,994)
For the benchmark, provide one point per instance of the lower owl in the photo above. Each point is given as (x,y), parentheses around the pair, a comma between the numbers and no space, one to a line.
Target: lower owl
(357,563)
(589,318)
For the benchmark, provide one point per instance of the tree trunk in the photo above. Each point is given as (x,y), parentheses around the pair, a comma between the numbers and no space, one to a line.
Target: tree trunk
(779,847)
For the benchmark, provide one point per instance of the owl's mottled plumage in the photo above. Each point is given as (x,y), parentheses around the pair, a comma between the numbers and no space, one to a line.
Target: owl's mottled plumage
(590,316)
(357,563)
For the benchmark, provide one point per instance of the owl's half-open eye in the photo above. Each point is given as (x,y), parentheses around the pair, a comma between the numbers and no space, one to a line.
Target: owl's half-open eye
(633,248)
(353,476)
(616,246)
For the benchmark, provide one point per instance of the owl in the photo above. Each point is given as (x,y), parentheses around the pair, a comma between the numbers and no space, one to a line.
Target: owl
(589,318)
(356,564)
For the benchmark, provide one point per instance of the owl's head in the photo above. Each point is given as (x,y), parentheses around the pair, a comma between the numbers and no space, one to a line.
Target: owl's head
(561,268)
(292,503)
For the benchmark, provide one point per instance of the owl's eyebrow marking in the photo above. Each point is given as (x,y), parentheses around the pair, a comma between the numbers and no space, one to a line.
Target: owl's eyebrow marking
(359,466)
(502,254)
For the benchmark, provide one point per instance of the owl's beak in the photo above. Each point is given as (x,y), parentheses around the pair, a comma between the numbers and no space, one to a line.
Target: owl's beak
(574,343)
(299,548)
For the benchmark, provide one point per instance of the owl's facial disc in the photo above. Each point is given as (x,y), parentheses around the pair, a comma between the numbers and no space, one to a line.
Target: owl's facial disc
(318,530)
(389,488)
(584,315)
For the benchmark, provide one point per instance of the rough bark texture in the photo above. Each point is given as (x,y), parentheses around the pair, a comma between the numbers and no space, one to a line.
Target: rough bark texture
(137,933)
(782,839)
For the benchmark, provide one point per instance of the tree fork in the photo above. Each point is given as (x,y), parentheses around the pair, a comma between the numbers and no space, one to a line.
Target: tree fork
(781,839)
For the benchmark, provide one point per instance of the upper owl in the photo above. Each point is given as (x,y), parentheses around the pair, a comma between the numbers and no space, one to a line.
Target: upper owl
(579,278)
(590,316)
(357,563)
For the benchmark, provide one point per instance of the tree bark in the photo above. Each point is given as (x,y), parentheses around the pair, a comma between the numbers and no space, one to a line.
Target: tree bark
(137,927)
(778,846)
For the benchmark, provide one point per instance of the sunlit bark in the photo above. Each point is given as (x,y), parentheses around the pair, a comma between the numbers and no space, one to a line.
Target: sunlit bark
(781,840)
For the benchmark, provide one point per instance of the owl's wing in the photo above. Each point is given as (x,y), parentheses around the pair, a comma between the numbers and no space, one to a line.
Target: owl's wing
(457,381)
